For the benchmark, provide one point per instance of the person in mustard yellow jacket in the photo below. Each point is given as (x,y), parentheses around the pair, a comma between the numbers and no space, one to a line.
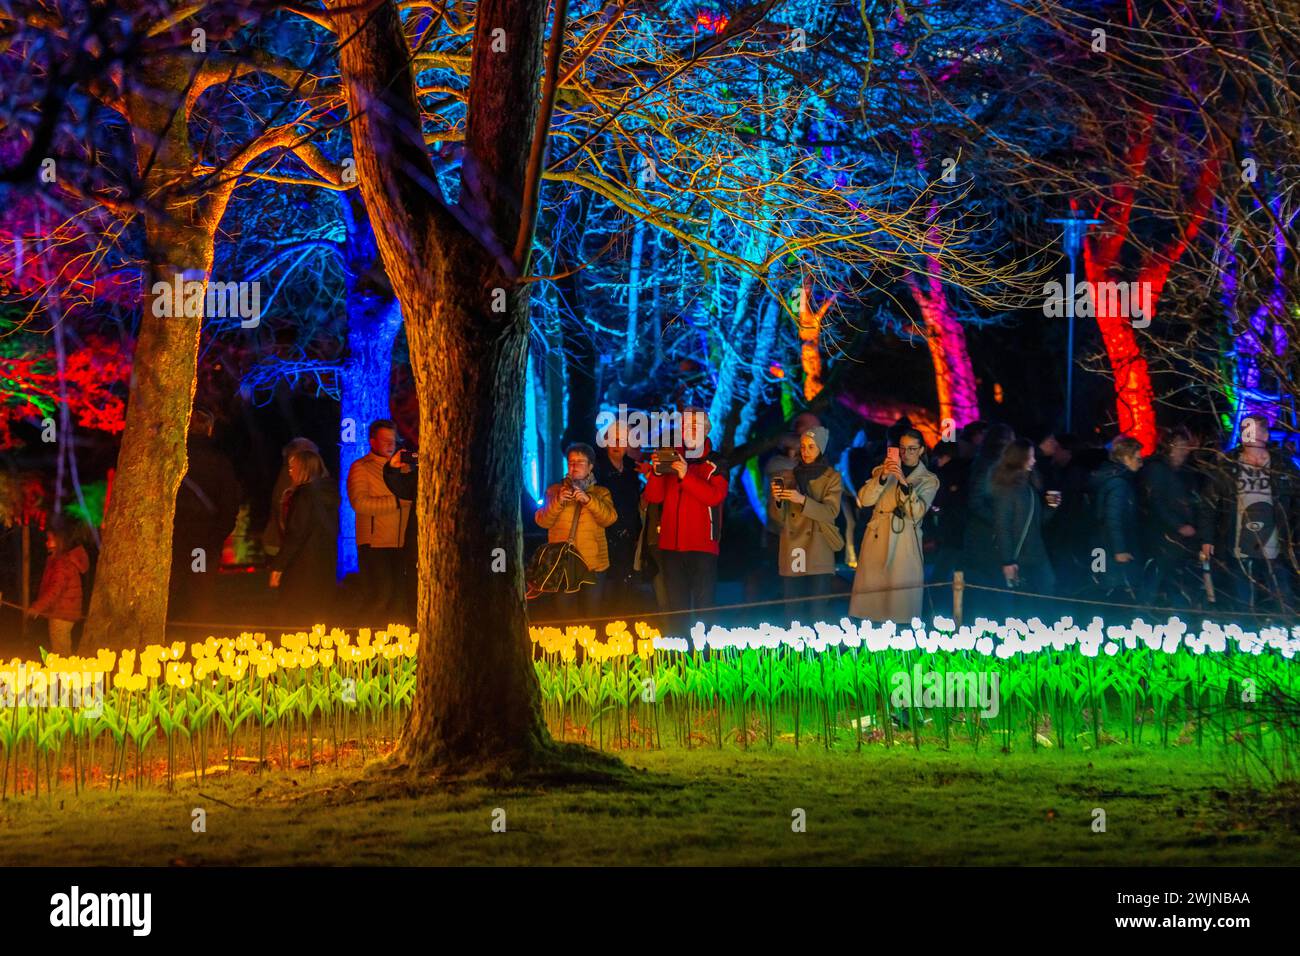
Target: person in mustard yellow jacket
(563,500)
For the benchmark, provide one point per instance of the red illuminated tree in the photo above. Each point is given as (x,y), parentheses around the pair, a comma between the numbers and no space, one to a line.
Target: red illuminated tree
(1103,262)
(124,89)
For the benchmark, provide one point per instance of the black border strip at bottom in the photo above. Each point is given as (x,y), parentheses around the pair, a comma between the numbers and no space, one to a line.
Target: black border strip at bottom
(261,906)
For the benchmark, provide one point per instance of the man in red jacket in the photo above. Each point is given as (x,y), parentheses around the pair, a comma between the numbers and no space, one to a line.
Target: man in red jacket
(690,519)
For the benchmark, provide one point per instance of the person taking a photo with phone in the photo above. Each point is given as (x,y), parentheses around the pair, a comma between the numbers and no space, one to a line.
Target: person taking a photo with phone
(891,570)
(691,487)
(807,501)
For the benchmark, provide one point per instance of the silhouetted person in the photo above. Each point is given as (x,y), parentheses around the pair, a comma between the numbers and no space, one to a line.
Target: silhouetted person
(617,472)
(1167,505)
(980,559)
(1019,511)
(207,505)
(1115,512)
(304,568)
(273,533)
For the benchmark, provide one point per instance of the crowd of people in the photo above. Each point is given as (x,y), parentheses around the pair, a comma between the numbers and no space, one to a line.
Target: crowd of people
(1024,520)
(1189,526)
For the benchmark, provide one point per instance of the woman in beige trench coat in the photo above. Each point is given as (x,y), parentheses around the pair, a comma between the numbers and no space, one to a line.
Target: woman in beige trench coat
(891,567)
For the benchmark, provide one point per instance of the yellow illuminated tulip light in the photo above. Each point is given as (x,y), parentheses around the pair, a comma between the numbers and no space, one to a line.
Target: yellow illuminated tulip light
(1062,685)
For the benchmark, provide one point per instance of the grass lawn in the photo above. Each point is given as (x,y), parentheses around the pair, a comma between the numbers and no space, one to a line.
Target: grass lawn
(704,807)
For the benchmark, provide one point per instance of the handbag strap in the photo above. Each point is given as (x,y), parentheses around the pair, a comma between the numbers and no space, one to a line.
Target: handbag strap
(1029,519)
(573,528)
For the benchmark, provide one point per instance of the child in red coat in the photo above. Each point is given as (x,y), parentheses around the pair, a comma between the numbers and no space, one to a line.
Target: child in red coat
(59,598)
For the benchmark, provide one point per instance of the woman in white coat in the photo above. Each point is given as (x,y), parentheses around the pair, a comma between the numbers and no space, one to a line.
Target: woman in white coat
(891,567)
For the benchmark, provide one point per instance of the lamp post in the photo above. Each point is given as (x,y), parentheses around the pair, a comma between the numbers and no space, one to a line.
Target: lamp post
(1076,227)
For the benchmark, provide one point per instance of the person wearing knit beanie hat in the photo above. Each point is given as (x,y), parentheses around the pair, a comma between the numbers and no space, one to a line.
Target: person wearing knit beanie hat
(808,504)
(821,435)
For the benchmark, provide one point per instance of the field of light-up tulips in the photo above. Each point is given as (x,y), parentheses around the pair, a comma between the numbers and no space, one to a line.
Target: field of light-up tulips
(326,695)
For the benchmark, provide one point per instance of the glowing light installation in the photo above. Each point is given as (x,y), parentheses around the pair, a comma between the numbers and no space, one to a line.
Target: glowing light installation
(1262,333)
(1134,397)
(1002,639)
(954,377)
(96,374)
(810,326)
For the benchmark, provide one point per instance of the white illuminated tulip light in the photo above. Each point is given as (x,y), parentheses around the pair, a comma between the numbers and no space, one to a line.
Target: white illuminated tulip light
(1003,639)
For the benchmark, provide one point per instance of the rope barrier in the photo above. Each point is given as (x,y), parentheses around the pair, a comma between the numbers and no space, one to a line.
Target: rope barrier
(745,605)
(232,625)
(731,607)
(1114,604)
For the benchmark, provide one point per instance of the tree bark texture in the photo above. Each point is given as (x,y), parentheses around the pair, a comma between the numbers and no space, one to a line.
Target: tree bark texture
(476,700)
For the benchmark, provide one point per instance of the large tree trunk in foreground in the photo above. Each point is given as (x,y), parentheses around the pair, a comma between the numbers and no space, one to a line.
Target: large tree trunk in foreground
(476,696)
(476,701)
(128,607)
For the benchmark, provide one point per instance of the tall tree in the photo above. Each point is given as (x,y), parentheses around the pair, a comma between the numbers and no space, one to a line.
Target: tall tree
(155,78)
(455,274)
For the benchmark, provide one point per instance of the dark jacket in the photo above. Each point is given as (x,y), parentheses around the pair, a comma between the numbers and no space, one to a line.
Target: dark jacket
(625,489)
(946,519)
(1018,523)
(621,537)
(1167,502)
(309,552)
(404,486)
(207,503)
(1216,514)
(979,549)
(1114,509)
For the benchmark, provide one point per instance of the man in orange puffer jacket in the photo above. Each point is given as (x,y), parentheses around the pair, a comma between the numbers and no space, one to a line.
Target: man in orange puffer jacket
(690,519)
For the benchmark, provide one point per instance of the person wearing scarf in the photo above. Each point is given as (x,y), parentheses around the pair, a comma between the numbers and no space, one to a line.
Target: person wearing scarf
(563,499)
(891,570)
(807,502)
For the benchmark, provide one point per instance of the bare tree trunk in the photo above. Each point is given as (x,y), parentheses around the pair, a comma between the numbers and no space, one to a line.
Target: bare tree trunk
(128,607)
(476,701)
(476,694)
